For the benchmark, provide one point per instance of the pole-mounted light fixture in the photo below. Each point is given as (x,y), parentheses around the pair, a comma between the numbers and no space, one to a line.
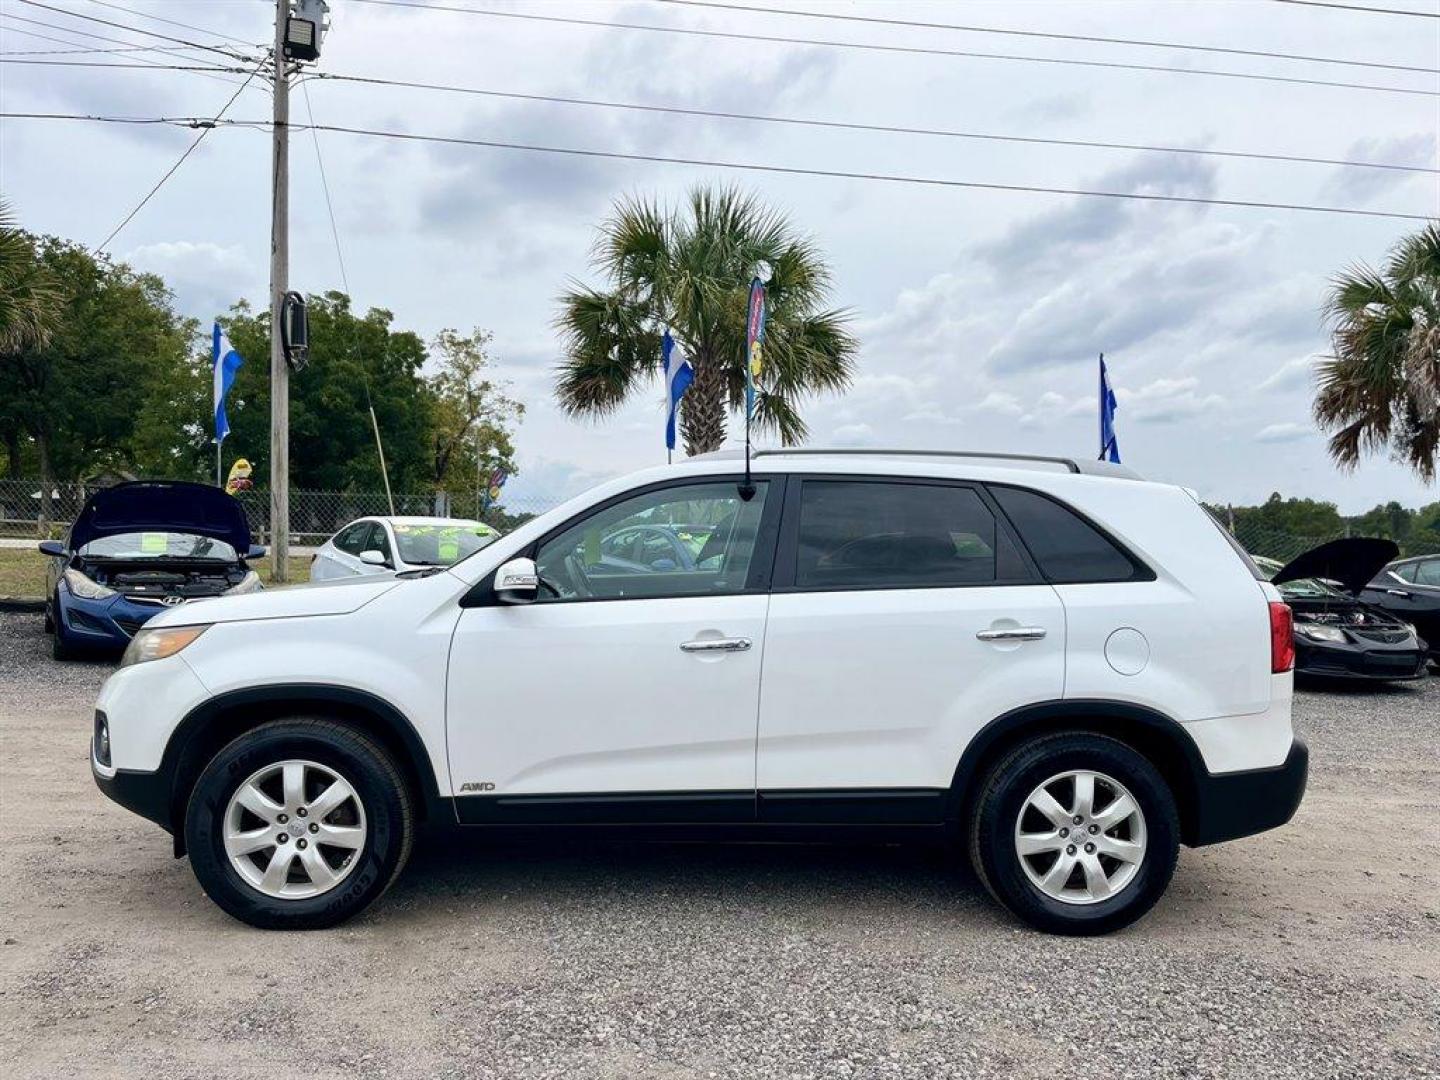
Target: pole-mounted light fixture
(305,28)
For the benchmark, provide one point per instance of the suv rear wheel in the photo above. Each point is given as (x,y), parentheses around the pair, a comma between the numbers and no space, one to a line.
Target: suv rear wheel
(1075,833)
(298,824)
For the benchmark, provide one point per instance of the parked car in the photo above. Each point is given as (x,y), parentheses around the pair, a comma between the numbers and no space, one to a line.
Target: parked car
(1069,670)
(1409,589)
(397,545)
(1336,634)
(136,549)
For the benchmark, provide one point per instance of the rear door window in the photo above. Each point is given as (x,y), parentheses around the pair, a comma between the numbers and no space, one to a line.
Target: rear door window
(1068,548)
(868,534)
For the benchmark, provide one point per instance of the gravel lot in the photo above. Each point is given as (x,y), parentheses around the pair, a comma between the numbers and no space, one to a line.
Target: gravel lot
(1313,951)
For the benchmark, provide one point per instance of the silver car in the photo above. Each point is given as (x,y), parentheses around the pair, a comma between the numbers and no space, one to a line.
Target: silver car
(393,545)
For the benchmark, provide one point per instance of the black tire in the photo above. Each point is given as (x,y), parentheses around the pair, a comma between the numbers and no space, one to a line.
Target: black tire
(60,647)
(1003,793)
(381,791)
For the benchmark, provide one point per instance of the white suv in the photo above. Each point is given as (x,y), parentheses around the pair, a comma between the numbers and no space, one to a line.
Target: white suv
(1069,670)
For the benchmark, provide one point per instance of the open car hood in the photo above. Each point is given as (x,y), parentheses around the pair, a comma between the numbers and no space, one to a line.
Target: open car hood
(162,506)
(1352,562)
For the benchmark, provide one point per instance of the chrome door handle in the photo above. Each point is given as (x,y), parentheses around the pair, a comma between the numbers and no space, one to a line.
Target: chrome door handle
(724,644)
(1018,633)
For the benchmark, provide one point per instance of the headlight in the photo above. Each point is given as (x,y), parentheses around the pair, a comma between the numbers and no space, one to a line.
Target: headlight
(1322,633)
(249,583)
(159,642)
(81,586)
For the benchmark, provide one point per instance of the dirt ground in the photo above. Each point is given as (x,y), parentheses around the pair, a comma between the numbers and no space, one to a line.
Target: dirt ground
(1313,951)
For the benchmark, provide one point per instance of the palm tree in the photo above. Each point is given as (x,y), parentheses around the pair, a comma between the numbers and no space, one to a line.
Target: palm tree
(692,272)
(29,297)
(1381,388)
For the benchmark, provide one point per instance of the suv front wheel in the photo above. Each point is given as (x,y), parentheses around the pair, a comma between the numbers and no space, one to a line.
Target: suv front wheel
(1075,833)
(298,824)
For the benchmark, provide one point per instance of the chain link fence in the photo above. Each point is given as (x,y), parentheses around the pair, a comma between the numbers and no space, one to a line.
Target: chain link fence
(314,515)
(1277,544)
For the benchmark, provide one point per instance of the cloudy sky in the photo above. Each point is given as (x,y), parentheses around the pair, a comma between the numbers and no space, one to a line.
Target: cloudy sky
(980,312)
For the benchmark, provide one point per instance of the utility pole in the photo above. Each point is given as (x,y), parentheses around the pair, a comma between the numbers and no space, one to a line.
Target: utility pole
(279,285)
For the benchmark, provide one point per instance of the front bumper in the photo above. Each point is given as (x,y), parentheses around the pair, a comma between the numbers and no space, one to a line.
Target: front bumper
(143,793)
(1231,805)
(107,623)
(1367,661)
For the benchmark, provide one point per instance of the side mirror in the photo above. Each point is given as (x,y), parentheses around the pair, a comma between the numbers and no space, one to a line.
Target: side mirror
(53,548)
(257,551)
(375,558)
(517,582)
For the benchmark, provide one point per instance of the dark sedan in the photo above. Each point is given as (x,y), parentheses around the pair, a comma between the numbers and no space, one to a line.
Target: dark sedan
(136,549)
(1409,589)
(1337,634)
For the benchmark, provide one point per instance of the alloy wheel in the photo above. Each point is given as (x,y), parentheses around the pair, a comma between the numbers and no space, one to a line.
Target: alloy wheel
(1080,837)
(294,829)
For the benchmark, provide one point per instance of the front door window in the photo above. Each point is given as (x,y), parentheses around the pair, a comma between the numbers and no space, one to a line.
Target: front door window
(691,540)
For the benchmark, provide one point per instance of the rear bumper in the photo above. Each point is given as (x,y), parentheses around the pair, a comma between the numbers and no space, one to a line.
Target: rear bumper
(1231,805)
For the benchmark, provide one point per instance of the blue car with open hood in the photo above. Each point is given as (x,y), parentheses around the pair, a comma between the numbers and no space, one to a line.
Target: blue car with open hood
(136,549)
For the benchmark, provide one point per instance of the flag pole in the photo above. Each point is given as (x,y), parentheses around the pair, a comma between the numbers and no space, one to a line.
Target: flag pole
(1100,400)
(220,483)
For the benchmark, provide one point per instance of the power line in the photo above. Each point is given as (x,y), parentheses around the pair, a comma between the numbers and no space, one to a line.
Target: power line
(100,37)
(1089,38)
(174,22)
(891,178)
(205,130)
(913,50)
(135,30)
(66,52)
(1366,10)
(141,63)
(853,126)
(325,186)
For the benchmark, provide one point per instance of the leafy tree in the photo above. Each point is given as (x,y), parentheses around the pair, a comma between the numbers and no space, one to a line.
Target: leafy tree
(76,397)
(29,296)
(472,416)
(1381,388)
(354,361)
(691,271)
(1424,535)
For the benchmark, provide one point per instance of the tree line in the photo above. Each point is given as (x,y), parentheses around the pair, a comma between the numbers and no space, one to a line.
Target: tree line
(103,376)
(1273,527)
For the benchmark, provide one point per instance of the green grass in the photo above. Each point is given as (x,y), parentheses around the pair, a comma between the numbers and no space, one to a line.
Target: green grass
(22,573)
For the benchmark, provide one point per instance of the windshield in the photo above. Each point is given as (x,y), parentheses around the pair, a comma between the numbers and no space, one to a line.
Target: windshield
(1302,588)
(159,545)
(1311,589)
(442,545)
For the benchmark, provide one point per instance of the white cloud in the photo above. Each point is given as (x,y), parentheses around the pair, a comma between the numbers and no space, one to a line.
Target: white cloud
(1294,374)
(1285,432)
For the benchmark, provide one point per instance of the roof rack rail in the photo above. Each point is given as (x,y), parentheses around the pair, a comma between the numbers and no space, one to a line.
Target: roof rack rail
(874,451)
(1073,465)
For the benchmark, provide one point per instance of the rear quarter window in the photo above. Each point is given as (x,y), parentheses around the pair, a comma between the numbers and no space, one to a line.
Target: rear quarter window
(1068,548)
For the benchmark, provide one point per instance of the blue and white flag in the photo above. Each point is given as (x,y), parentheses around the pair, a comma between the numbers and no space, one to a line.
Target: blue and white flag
(226,362)
(1109,446)
(678,377)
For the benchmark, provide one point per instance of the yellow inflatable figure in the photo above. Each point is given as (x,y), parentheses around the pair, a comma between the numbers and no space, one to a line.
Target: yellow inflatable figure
(239,478)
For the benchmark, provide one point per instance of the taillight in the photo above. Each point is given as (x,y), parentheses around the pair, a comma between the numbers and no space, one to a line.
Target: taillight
(1282,637)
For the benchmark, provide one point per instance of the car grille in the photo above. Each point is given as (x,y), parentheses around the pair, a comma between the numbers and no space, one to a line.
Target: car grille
(1385,636)
(130,626)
